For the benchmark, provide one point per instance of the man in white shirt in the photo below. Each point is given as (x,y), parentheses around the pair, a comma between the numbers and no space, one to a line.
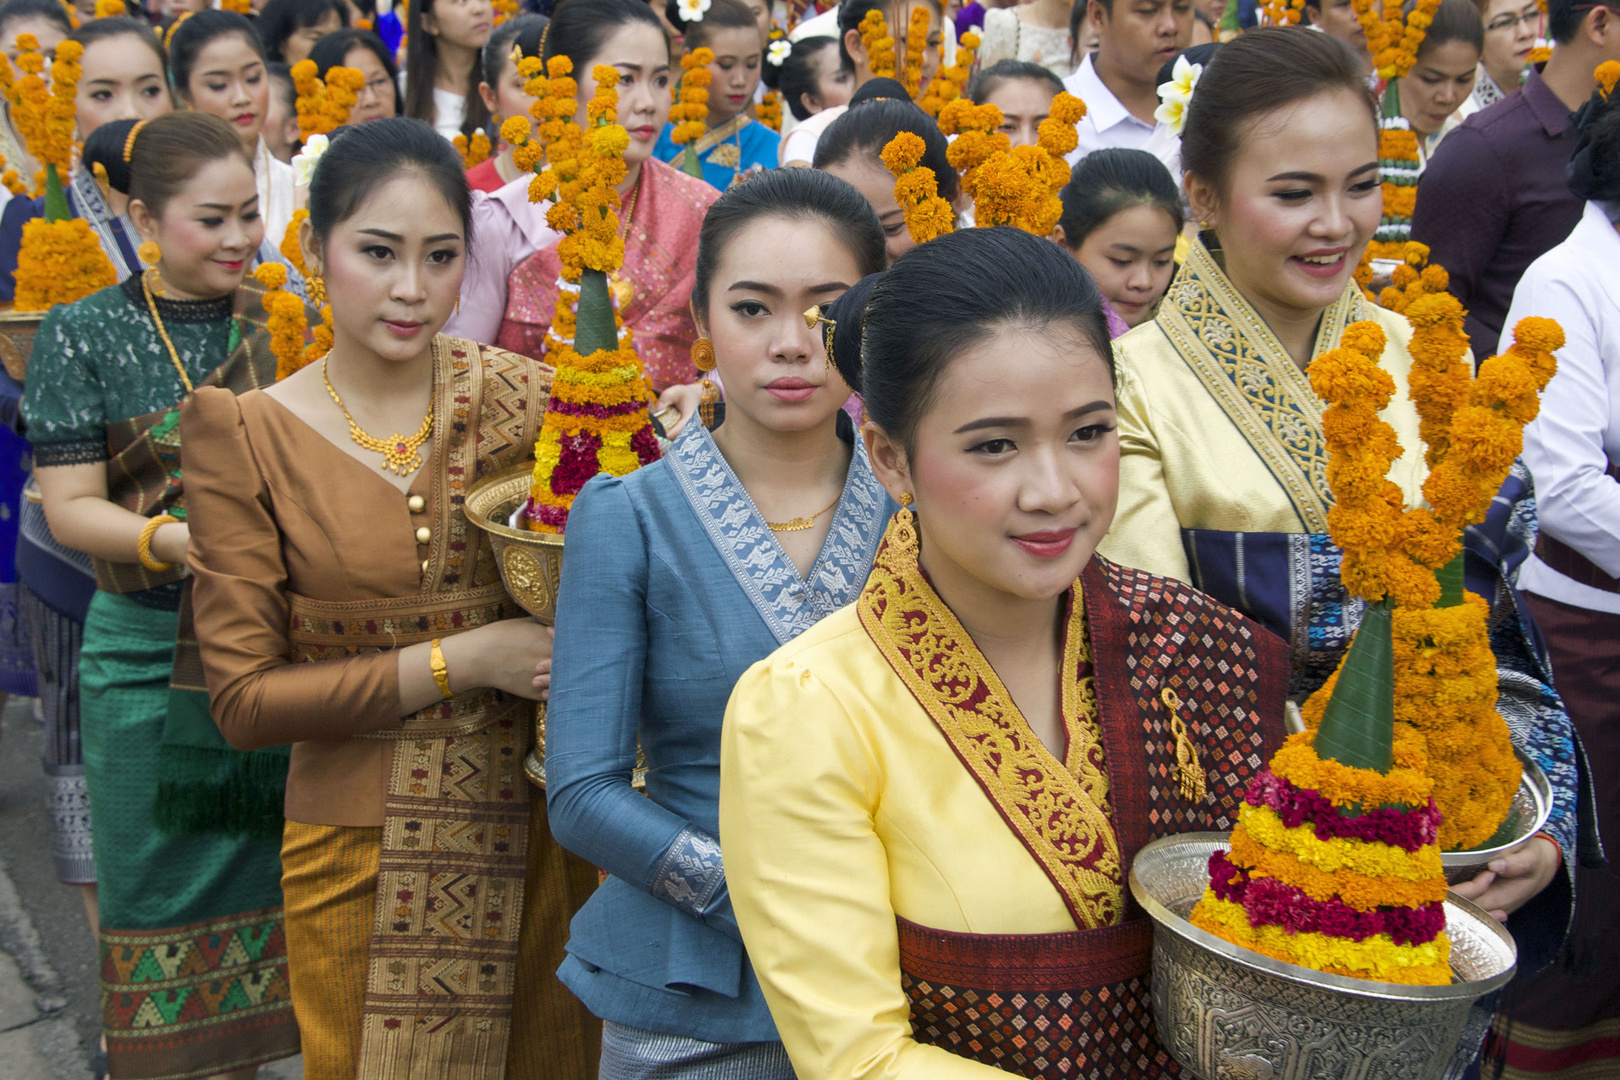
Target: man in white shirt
(1119,82)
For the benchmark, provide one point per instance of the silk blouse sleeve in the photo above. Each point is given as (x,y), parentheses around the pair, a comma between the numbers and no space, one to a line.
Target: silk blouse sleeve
(259,696)
(1146,533)
(799,793)
(598,665)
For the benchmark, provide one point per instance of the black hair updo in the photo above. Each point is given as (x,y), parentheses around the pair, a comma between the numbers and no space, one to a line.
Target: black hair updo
(363,158)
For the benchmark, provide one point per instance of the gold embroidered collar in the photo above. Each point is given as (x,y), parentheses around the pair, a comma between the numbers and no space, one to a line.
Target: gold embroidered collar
(715,136)
(1254,380)
(1059,810)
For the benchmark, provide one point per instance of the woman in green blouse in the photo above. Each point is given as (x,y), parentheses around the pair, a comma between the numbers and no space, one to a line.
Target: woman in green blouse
(185,830)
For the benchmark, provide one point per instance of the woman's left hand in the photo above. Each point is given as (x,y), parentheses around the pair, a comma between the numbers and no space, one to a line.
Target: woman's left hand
(1512,880)
(684,400)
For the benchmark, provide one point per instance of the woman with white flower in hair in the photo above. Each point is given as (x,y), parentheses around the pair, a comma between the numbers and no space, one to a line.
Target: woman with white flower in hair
(733,142)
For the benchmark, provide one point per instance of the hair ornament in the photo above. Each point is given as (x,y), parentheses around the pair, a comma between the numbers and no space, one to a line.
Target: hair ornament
(812,316)
(168,38)
(1175,96)
(129,142)
(304,162)
(778,53)
(693,10)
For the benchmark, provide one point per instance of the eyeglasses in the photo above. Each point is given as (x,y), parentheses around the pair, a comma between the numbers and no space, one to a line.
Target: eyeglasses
(1530,17)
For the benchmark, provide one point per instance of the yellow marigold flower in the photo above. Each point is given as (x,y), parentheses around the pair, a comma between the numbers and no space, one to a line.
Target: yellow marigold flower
(904,151)
(515,130)
(1607,74)
(610,141)
(272,275)
(1544,335)
(1366,338)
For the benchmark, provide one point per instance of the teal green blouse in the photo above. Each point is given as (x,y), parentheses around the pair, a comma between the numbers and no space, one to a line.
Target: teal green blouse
(101,360)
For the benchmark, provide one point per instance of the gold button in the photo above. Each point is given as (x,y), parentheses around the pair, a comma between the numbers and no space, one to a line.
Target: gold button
(415,504)
(424,566)
(424,534)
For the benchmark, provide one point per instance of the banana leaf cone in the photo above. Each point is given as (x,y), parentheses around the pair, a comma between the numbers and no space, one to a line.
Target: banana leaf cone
(56,204)
(690,165)
(1358,725)
(594,328)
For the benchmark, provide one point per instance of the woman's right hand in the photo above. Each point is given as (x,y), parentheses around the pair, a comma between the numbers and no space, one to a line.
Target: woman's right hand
(503,655)
(169,542)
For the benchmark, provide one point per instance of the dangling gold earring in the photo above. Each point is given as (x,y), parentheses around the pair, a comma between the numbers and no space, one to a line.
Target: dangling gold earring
(315,286)
(703,360)
(903,546)
(149,253)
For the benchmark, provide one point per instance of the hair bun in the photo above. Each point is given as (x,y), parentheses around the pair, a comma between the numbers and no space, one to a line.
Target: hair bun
(105,147)
(848,312)
(878,90)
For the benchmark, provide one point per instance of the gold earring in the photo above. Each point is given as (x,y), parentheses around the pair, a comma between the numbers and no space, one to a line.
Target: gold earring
(149,252)
(703,354)
(811,317)
(902,538)
(315,286)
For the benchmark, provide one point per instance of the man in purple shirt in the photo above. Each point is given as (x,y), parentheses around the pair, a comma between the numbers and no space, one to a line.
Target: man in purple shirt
(1493,198)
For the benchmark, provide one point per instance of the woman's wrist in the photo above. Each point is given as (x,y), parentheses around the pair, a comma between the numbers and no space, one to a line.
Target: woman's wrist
(461,662)
(169,542)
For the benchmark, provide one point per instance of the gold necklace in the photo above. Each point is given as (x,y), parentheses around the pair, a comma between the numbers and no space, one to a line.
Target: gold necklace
(623,289)
(151,305)
(801,524)
(403,455)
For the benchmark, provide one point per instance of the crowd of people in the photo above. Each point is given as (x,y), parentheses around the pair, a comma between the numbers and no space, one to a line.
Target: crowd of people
(829,793)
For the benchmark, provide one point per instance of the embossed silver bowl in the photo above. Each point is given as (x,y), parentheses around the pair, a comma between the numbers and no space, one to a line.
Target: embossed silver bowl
(531,569)
(1226,1013)
(1527,815)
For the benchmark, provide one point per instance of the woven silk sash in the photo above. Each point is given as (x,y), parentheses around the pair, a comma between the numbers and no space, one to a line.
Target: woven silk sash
(1053,1006)
(1256,383)
(144,461)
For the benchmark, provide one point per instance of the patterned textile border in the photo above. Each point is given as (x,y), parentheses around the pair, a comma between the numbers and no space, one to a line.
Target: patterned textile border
(222,982)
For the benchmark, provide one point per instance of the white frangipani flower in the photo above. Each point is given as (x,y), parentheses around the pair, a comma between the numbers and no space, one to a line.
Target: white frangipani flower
(1176,95)
(778,53)
(304,162)
(692,10)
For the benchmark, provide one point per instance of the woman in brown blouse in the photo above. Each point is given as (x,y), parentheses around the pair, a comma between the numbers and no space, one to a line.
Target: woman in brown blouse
(345,605)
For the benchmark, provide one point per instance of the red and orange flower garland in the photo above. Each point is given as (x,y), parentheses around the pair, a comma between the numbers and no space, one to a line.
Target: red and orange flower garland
(596,420)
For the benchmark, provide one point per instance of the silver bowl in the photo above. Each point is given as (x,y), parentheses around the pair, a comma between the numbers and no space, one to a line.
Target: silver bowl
(1526,816)
(1226,1013)
(531,570)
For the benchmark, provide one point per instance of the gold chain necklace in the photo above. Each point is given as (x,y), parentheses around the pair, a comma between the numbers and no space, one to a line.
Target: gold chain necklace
(151,305)
(801,524)
(403,455)
(623,289)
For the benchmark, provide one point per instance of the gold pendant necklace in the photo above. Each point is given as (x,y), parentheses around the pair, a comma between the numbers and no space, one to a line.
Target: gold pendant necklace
(402,454)
(163,333)
(801,524)
(622,287)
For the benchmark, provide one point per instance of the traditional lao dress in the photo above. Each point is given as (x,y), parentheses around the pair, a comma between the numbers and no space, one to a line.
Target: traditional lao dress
(1223,483)
(426,902)
(672,585)
(926,890)
(727,151)
(193,949)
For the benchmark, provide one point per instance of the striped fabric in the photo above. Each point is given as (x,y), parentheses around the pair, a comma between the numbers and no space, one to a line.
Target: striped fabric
(56,641)
(633,1054)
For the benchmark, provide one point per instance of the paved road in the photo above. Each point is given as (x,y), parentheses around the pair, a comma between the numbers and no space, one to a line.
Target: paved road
(50,1001)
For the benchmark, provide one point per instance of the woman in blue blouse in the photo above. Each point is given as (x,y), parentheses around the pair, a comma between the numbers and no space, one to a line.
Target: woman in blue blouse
(735,142)
(677,578)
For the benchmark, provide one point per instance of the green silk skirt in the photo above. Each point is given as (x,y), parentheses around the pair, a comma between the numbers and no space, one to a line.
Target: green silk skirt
(193,948)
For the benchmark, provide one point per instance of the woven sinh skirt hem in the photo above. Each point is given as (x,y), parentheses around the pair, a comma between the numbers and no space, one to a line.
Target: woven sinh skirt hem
(329,881)
(56,640)
(633,1054)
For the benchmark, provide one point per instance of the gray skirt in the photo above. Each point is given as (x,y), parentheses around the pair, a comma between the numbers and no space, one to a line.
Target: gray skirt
(632,1054)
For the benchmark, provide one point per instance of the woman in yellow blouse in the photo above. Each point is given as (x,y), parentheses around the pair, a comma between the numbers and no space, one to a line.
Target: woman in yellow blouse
(930,800)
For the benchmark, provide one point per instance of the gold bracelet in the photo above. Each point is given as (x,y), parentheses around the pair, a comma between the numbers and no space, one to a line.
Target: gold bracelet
(441,670)
(143,546)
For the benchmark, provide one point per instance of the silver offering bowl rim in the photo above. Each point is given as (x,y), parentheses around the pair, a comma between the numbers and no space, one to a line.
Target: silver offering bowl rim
(1456,908)
(1534,788)
(497,490)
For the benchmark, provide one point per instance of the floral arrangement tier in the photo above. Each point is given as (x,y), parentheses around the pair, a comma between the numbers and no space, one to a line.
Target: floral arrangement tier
(597,419)
(1335,863)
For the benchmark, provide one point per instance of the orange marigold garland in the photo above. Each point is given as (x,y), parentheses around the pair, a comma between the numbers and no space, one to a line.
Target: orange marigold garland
(289,242)
(1015,186)
(916,189)
(691,108)
(106,9)
(1394,38)
(323,105)
(1282,12)
(241,7)
(60,259)
(947,83)
(505,9)
(473,151)
(596,420)
(879,43)
(770,111)
(916,46)
(287,321)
